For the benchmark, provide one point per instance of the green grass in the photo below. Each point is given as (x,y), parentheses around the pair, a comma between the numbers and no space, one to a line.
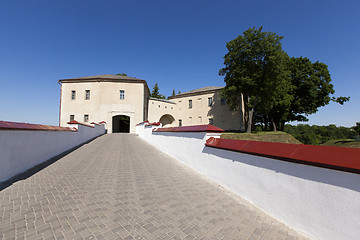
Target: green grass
(278,136)
(342,143)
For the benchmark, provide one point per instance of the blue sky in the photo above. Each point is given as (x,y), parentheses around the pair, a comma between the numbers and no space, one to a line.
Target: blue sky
(178,44)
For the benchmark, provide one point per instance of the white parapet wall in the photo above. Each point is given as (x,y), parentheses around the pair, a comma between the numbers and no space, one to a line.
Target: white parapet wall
(320,202)
(23,146)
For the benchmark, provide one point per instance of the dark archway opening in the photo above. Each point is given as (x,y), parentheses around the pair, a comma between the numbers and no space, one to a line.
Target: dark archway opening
(166,119)
(120,123)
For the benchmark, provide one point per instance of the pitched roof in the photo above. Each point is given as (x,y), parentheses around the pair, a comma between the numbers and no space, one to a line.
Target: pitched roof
(102,77)
(196,91)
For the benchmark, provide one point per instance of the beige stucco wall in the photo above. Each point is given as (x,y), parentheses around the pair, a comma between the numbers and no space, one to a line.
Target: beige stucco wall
(201,112)
(104,102)
(159,108)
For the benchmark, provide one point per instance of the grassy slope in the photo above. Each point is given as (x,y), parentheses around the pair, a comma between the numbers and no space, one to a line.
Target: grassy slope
(342,143)
(281,137)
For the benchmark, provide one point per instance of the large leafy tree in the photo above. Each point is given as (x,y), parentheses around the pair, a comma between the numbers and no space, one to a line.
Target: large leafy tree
(255,71)
(357,128)
(155,92)
(311,87)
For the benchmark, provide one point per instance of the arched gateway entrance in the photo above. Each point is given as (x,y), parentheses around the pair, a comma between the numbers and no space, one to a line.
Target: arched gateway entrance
(120,123)
(166,119)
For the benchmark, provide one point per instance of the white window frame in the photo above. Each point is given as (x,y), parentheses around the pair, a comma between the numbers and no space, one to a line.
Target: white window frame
(122,94)
(73,94)
(210,101)
(87,94)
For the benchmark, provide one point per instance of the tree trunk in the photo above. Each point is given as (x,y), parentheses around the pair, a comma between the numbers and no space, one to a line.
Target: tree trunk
(251,114)
(274,126)
(249,123)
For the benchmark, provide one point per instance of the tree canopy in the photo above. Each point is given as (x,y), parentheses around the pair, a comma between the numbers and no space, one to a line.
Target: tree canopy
(121,74)
(356,128)
(273,87)
(155,92)
(255,71)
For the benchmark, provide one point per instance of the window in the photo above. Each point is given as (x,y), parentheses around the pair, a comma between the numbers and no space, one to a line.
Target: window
(73,94)
(180,123)
(190,103)
(72,118)
(210,101)
(87,94)
(211,121)
(200,119)
(223,101)
(199,102)
(122,94)
(190,119)
(86,118)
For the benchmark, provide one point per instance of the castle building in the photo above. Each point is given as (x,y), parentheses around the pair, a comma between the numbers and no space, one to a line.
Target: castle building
(124,101)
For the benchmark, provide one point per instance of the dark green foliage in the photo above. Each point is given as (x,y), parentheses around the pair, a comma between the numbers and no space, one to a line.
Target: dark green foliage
(173,92)
(255,67)
(121,74)
(356,128)
(155,92)
(318,134)
(273,87)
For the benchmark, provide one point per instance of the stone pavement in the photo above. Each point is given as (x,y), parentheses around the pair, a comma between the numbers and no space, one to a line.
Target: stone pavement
(120,187)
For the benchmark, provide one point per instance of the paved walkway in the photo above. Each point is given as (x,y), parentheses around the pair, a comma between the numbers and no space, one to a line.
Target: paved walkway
(120,187)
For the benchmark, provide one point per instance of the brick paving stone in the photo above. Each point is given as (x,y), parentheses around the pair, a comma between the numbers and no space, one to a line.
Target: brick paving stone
(120,187)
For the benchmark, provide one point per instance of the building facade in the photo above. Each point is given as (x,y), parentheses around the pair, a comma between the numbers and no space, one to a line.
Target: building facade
(123,101)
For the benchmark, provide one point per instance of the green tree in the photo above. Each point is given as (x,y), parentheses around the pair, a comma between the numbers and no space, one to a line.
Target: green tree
(121,74)
(155,92)
(311,88)
(173,93)
(357,128)
(255,71)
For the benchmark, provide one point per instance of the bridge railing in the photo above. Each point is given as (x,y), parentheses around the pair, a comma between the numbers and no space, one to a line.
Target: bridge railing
(313,189)
(25,145)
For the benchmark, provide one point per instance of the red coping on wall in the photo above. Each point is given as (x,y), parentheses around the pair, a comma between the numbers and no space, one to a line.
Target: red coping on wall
(338,158)
(142,123)
(76,122)
(4,125)
(196,128)
(153,124)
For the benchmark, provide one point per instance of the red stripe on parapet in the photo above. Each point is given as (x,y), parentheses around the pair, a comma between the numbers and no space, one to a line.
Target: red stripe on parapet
(142,123)
(153,124)
(84,124)
(196,128)
(338,158)
(5,125)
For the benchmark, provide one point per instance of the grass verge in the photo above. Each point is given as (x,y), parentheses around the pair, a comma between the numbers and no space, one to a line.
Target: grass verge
(278,136)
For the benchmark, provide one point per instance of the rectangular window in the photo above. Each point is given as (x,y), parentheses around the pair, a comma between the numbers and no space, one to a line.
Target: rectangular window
(200,119)
(86,118)
(190,103)
(199,102)
(180,123)
(122,94)
(190,119)
(210,101)
(223,101)
(87,94)
(211,121)
(73,94)
(72,118)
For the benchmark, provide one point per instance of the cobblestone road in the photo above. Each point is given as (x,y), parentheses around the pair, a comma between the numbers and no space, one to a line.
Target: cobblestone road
(120,187)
